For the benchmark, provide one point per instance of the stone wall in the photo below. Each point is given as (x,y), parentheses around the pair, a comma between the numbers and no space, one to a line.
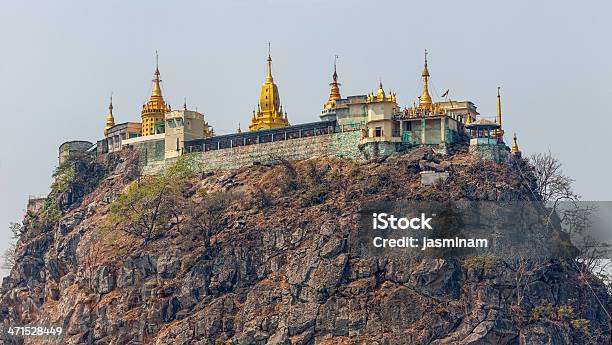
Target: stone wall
(341,145)
(35,204)
(379,149)
(431,178)
(495,153)
(151,153)
(70,148)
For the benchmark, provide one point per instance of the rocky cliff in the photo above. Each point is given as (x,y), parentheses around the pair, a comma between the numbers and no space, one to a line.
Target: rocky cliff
(261,255)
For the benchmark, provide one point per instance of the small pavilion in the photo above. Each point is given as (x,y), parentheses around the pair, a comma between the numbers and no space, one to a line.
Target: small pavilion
(484,140)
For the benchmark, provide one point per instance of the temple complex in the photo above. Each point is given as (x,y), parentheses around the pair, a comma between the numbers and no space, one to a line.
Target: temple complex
(388,128)
(357,127)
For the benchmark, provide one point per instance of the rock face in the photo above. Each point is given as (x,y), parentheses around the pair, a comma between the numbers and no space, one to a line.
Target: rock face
(277,267)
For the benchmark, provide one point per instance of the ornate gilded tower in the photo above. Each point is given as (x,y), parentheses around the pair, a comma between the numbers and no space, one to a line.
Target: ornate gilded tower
(110,120)
(334,94)
(381,96)
(516,152)
(515,148)
(153,111)
(425,101)
(269,110)
(499,133)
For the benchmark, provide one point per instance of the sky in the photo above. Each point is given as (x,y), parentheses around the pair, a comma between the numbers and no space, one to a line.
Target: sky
(62,59)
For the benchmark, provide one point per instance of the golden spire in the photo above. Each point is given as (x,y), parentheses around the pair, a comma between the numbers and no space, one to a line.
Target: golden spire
(110,120)
(334,94)
(380,95)
(425,99)
(156,88)
(153,111)
(515,148)
(335,75)
(269,111)
(499,120)
(499,133)
(269,75)
(156,101)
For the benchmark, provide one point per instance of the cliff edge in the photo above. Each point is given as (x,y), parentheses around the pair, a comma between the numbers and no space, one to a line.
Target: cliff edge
(261,255)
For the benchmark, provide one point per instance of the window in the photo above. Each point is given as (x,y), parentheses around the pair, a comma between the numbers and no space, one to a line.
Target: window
(395,129)
(378,132)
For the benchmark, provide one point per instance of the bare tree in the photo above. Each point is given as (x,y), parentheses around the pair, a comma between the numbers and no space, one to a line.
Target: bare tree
(523,267)
(91,258)
(594,256)
(577,221)
(8,257)
(576,218)
(16,229)
(543,176)
(208,215)
(553,187)
(551,182)
(290,178)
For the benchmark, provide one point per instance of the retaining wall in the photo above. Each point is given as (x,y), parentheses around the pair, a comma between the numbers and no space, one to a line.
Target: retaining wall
(340,145)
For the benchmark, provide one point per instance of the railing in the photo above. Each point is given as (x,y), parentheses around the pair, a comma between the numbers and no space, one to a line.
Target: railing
(416,115)
(460,117)
(349,127)
(260,137)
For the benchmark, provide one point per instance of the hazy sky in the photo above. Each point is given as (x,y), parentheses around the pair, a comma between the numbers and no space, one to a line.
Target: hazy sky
(61,59)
